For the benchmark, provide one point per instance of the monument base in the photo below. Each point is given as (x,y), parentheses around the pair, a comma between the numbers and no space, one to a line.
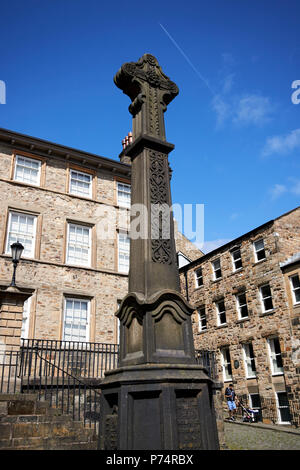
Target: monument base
(158,407)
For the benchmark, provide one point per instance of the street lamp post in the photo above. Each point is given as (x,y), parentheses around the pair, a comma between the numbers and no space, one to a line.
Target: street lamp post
(16,251)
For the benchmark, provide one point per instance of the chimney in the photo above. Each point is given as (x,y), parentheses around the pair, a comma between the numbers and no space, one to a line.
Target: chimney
(125,142)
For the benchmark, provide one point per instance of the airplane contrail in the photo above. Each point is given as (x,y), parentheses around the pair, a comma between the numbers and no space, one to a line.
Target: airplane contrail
(187,59)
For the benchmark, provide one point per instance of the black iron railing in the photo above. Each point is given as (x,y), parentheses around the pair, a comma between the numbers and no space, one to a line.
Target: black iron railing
(69,394)
(207,359)
(68,375)
(10,372)
(80,359)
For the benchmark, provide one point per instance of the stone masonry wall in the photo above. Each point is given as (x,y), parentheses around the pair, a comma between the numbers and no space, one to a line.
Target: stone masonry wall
(258,326)
(47,273)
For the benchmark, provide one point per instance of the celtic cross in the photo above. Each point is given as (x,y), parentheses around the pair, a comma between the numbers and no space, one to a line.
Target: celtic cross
(150,91)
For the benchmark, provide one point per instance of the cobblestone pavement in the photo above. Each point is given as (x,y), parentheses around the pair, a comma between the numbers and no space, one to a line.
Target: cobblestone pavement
(245,437)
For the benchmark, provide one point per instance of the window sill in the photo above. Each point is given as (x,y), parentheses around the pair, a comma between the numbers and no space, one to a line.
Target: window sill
(202,331)
(225,325)
(199,287)
(237,270)
(80,196)
(269,312)
(23,183)
(260,261)
(242,320)
(278,374)
(217,280)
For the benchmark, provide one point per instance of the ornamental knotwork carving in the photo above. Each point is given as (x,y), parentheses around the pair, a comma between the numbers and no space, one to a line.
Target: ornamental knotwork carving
(160,212)
(137,77)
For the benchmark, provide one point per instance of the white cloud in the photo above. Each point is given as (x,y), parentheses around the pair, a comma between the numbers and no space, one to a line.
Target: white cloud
(277,190)
(282,144)
(228,58)
(295,189)
(241,110)
(208,246)
(228,83)
(253,109)
(221,108)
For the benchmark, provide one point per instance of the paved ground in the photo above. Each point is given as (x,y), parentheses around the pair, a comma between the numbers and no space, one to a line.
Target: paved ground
(259,437)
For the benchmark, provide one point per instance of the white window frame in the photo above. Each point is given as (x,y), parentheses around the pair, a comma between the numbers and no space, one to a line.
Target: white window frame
(28,159)
(118,324)
(220,312)
(201,317)
(125,253)
(278,408)
(19,236)
(216,269)
(122,202)
(248,361)
(239,305)
(78,193)
(227,376)
(197,277)
(259,250)
(294,289)
(273,356)
(26,318)
(236,260)
(89,257)
(262,299)
(87,328)
(251,401)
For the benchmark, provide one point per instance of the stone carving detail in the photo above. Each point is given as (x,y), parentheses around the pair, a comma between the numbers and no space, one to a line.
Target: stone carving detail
(188,423)
(160,216)
(111,430)
(145,83)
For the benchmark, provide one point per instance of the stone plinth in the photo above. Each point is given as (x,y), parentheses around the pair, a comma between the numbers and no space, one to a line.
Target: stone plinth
(158,406)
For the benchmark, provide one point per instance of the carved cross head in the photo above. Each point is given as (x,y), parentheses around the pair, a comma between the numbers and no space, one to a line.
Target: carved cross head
(143,80)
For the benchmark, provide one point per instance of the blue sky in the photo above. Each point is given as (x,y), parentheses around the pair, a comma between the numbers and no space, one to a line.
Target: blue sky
(235,128)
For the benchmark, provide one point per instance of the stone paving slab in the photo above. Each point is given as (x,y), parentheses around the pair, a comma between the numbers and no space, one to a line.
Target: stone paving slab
(241,436)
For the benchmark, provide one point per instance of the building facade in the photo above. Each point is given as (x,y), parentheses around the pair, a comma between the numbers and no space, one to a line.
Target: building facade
(70,210)
(247,306)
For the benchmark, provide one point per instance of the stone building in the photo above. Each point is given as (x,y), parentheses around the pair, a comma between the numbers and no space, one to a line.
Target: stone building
(69,209)
(247,306)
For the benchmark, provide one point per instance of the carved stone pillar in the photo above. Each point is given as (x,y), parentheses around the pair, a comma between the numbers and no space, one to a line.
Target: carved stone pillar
(163,400)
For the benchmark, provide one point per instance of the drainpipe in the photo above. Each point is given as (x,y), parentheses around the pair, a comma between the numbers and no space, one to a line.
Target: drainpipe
(186,286)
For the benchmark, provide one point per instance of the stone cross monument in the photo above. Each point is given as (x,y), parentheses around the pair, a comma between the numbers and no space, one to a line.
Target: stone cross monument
(158,398)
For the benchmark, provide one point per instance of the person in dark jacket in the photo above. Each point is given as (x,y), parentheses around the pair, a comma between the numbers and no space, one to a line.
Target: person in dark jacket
(230,396)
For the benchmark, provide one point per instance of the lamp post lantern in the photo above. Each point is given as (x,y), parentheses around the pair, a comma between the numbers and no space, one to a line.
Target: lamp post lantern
(16,251)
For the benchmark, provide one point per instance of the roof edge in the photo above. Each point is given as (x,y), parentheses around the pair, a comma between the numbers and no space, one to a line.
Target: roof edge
(13,138)
(225,246)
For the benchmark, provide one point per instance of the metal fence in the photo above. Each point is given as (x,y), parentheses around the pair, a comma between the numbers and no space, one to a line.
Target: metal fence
(80,359)
(207,359)
(67,374)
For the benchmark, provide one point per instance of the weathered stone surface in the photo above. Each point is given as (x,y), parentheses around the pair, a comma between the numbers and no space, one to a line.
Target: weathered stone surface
(281,240)
(41,432)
